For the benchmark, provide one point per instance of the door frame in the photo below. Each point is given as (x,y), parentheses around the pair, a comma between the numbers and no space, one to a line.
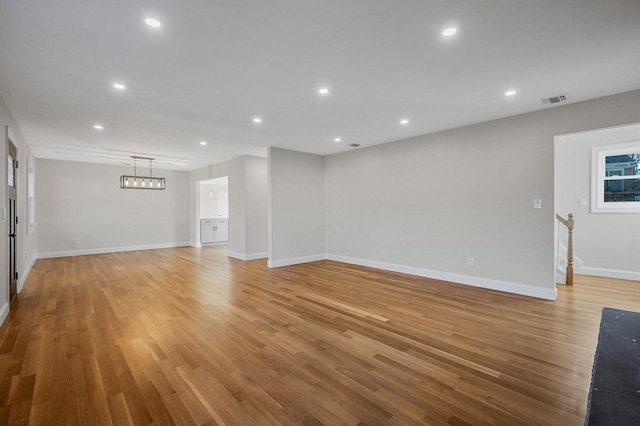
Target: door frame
(12,264)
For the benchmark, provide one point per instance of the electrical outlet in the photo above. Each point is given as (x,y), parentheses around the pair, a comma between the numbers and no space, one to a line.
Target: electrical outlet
(348,246)
(471,261)
(76,242)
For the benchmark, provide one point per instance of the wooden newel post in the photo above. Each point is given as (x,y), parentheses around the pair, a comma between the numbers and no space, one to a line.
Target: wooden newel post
(570,250)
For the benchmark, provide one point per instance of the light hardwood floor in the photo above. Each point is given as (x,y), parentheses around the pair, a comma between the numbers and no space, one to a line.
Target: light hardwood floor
(189,336)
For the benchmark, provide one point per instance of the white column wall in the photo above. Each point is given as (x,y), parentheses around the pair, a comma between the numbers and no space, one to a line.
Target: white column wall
(297,207)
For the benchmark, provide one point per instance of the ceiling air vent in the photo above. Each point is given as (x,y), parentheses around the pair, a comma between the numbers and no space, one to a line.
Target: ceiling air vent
(555,99)
(355,145)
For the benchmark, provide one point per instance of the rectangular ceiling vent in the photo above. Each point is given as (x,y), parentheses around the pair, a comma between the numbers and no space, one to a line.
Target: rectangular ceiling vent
(555,99)
(355,145)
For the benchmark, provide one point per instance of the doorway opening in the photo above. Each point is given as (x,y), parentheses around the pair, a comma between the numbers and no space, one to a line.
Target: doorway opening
(213,211)
(604,243)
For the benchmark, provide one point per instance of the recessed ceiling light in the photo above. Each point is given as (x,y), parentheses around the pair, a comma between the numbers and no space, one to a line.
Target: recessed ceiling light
(510,93)
(152,22)
(98,126)
(203,143)
(404,121)
(337,140)
(323,91)
(257,120)
(449,32)
(119,86)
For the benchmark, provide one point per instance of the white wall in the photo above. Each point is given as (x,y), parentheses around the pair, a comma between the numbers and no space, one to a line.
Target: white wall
(208,203)
(246,212)
(26,243)
(257,191)
(84,201)
(606,244)
(426,204)
(297,207)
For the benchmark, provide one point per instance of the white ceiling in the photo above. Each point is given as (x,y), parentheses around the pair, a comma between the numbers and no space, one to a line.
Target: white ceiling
(214,65)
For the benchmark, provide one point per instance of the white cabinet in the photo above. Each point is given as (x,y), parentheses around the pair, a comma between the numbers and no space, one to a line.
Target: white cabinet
(206,230)
(221,230)
(214,230)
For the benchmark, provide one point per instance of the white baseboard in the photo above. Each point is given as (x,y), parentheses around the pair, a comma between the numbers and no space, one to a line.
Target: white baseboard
(4,312)
(581,269)
(25,274)
(251,256)
(509,287)
(608,273)
(295,260)
(53,254)
(196,245)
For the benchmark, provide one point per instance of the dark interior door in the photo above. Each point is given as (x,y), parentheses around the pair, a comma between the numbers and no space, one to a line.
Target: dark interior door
(13,220)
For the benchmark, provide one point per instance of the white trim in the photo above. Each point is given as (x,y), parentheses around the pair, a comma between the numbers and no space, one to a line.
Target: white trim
(562,257)
(54,254)
(25,274)
(579,268)
(295,260)
(610,273)
(252,256)
(4,312)
(196,245)
(509,287)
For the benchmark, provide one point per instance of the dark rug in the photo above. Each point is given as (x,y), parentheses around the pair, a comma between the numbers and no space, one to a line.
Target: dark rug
(614,398)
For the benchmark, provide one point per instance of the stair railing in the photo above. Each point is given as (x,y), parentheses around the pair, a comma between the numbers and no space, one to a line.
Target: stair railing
(569,224)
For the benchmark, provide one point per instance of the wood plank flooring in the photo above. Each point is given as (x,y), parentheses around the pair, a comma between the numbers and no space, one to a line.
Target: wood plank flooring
(188,336)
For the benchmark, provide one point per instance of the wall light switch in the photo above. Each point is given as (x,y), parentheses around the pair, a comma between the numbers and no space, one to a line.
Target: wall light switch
(582,201)
(4,213)
(537,203)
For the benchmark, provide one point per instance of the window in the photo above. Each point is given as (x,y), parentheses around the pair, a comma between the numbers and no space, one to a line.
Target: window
(615,178)
(10,181)
(31,195)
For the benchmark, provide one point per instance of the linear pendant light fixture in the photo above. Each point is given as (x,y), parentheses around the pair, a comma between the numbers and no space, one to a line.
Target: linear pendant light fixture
(141,182)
